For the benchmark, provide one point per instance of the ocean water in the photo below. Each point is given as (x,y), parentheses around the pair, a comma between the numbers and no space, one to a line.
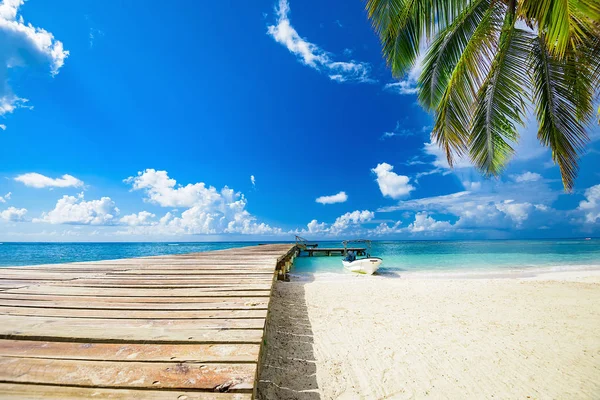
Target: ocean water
(13,254)
(399,257)
(489,256)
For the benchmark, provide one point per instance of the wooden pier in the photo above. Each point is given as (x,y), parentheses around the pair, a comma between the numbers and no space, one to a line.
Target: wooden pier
(169,327)
(332,251)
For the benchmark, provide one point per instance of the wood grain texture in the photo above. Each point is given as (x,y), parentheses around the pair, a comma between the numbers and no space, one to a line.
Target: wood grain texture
(168,327)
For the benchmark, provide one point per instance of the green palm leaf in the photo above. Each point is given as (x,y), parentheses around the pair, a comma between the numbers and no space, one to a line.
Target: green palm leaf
(455,106)
(401,24)
(446,51)
(501,102)
(559,127)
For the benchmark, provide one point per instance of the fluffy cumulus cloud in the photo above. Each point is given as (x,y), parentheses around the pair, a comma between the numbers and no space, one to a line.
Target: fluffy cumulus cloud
(348,223)
(207,210)
(391,184)
(425,223)
(77,211)
(590,207)
(13,214)
(341,197)
(35,180)
(24,46)
(143,218)
(312,55)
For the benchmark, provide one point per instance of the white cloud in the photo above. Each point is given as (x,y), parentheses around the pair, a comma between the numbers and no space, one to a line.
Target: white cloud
(391,184)
(23,45)
(5,198)
(351,219)
(208,210)
(143,218)
(162,190)
(527,177)
(591,205)
(518,212)
(498,205)
(349,223)
(441,161)
(253,180)
(3,127)
(315,226)
(402,87)
(77,211)
(13,214)
(424,223)
(36,180)
(341,197)
(312,55)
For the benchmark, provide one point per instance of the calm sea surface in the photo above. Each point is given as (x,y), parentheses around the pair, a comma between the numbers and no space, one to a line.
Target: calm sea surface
(398,256)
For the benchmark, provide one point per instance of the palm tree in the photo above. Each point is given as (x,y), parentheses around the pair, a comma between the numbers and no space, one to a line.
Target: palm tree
(488,61)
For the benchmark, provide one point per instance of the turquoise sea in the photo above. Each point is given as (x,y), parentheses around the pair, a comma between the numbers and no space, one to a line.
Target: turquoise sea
(398,256)
(467,256)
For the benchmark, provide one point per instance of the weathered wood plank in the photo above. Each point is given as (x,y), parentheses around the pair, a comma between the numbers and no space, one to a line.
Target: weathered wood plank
(117,331)
(236,353)
(248,303)
(107,300)
(18,391)
(132,314)
(110,374)
(145,292)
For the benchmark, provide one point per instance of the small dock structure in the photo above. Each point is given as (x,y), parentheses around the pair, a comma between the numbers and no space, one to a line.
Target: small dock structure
(311,249)
(180,327)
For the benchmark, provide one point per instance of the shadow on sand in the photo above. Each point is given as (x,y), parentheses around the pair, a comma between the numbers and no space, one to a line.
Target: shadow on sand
(289,370)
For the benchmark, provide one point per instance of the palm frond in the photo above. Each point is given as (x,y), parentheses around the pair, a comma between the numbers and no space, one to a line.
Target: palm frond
(401,24)
(565,23)
(557,109)
(446,51)
(453,113)
(500,104)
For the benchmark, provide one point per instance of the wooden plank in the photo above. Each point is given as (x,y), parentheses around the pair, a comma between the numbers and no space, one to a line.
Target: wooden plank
(145,292)
(237,353)
(18,391)
(248,303)
(111,374)
(22,299)
(132,331)
(133,314)
(19,321)
(204,287)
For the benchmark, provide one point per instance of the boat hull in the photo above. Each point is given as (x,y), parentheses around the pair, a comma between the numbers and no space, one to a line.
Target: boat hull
(363,265)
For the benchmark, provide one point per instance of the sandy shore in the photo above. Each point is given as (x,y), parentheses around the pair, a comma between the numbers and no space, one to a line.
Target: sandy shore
(532,337)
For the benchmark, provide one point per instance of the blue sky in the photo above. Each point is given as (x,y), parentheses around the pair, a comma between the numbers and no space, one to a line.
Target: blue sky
(242,121)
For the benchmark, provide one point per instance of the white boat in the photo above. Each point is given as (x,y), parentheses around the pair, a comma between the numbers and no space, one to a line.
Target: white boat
(366,265)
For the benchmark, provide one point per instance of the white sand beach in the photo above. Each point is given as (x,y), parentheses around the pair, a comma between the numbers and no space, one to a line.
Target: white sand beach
(369,337)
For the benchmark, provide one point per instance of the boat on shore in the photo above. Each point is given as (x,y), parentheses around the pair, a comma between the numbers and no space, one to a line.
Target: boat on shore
(366,265)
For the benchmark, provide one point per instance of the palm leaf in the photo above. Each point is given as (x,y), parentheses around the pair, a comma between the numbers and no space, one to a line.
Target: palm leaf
(455,106)
(446,51)
(563,22)
(401,25)
(500,104)
(556,109)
